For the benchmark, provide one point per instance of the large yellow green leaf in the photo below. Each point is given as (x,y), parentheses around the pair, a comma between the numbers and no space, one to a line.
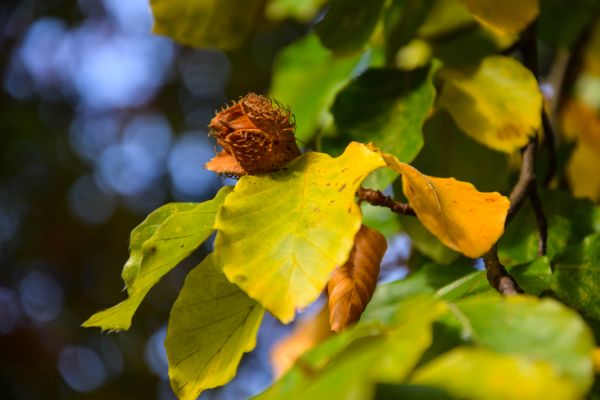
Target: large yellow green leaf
(475,373)
(463,218)
(301,10)
(212,324)
(206,23)
(510,16)
(497,102)
(306,76)
(542,330)
(160,244)
(280,236)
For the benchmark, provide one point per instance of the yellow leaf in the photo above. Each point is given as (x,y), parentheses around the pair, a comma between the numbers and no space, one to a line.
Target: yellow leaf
(477,373)
(463,218)
(581,122)
(507,16)
(497,102)
(280,235)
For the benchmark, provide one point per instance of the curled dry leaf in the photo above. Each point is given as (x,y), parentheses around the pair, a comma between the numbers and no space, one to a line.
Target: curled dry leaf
(307,333)
(352,285)
(256,134)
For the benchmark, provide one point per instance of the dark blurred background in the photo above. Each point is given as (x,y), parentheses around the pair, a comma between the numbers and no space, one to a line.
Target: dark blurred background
(101,122)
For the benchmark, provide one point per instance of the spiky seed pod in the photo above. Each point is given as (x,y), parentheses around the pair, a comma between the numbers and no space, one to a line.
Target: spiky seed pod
(352,284)
(256,134)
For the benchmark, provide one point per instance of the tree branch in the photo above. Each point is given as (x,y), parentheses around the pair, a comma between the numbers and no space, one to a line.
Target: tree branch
(376,198)
(498,276)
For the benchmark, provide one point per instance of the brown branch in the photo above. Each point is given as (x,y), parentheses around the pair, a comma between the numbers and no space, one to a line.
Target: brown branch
(497,275)
(376,198)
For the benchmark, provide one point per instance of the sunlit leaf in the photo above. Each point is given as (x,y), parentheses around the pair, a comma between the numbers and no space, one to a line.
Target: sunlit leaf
(306,76)
(387,107)
(475,373)
(281,235)
(539,329)
(497,102)
(576,278)
(222,24)
(511,16)
(348,24)
(300,10)
(212,324)
(163,248)
(462,218)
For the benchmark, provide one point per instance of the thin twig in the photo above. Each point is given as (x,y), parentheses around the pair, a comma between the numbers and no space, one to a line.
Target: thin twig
(376,198)
(497,275)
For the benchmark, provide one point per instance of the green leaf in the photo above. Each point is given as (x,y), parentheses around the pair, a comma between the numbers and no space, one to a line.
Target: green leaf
(223,24)
(281,235)
(426,280)
(497,102)
(569,221)
(301,10)
(142,233)
(212,324)
(533,278)
(400,23)
(576,278)
(412,392)
(362,355)
(306,76)
(538,329)
(163,247)
(475,373)
(449,152)
(348,24)
(387,107)
(426,242)
(561,22)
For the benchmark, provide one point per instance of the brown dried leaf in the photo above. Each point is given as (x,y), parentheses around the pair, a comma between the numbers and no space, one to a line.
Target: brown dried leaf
(308,333)
(352,285)
(257,136)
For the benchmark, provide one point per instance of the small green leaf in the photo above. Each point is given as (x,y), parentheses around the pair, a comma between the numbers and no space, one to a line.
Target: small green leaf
(426,243)
(306,76)
(163,248)
(387,107)
(476,373)
(212,324)
(576,278)
(538,329)
(280,236)
(348,24)
(497,102)
(223,24)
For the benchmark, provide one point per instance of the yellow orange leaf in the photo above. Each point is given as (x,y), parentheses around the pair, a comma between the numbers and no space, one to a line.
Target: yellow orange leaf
(505,16)
(352,284)
(463,218)
(497,102)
